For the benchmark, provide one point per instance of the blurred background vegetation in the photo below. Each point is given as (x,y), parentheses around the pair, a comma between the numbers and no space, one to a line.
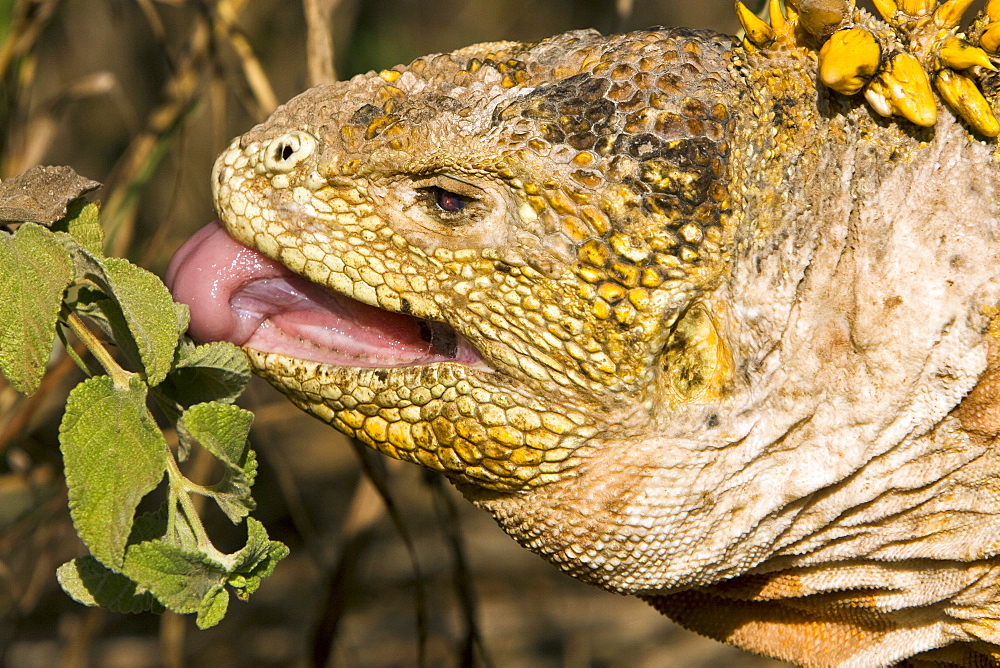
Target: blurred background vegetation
(141,95)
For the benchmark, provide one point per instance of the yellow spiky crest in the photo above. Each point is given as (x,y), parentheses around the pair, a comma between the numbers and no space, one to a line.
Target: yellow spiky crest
(906,90)
(821,18)
(949,14)
(778,22)
(887,8)
(849,60)
(893,67)
(989,41)
(992,10)
(958,54)
(917,8)
(963,95)
(757,30)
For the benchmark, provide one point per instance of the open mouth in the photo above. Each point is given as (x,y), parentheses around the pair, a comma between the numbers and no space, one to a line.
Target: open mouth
(238,295)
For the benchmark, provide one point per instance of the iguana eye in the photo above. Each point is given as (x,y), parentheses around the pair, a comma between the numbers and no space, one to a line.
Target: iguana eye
(448,201)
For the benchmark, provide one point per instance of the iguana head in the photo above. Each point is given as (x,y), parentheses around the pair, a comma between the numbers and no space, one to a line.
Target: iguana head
(497,244)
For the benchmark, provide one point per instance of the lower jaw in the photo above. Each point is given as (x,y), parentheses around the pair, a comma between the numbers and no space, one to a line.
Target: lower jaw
(321,379)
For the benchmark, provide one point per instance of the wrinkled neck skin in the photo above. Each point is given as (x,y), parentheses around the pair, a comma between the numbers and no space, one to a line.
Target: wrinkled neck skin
(861,278)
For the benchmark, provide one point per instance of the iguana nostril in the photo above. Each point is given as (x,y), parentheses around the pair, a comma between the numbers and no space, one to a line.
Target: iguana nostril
(284,153)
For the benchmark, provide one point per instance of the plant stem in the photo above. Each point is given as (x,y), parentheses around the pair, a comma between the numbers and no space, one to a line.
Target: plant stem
(119,376)
(179,488)
(72,354)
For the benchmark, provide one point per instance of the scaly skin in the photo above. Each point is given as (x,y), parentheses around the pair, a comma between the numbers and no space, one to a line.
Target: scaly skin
(735,327)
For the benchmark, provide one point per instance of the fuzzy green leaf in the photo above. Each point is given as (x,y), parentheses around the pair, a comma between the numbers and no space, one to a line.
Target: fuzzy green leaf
(213,607)
(188,581)
(83,224)
(222,430)
(183,315)
(276,551)
(136,307)
(149,311)
(92,304)
(148,526)
(114,455)
(211,372)
(255,551)
(91,583)
(179,579)
(34,272)
(85,263)
(256,560)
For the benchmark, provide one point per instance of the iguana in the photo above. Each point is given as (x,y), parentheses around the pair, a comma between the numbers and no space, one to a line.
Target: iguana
(708,321)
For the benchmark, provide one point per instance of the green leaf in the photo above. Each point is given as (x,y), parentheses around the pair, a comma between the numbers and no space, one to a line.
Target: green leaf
(213,607)
(210,372)
(179,579)
(183,315)
(82,222)
(191,581)
(85,263)
(143,318)
(92,304)
(149,311)
(181,533)
(114,455)
(34,272)
(256,561)
(148,526)
(222,430)
(254,552)
(90,583)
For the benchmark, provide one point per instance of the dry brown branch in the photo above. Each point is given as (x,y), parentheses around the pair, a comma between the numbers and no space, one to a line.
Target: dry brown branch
(31,17)
(146,151)
(226,30)
(29,147)
(319,41)
(173,628)
(88,626)
(472,644)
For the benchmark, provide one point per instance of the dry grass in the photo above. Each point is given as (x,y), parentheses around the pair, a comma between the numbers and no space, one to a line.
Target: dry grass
(388,567)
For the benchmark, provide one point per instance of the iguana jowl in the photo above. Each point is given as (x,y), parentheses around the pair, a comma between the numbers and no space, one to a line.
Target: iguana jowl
(688,322)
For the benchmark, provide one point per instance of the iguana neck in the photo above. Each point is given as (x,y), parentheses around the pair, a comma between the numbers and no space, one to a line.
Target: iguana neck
(735,469)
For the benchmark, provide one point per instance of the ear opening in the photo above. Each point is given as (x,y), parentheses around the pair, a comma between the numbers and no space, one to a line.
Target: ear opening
(697,364)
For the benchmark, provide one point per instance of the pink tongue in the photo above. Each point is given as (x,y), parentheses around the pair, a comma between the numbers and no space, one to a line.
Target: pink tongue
(236,294)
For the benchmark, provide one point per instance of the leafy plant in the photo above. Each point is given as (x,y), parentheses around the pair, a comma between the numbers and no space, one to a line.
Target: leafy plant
(56,282)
